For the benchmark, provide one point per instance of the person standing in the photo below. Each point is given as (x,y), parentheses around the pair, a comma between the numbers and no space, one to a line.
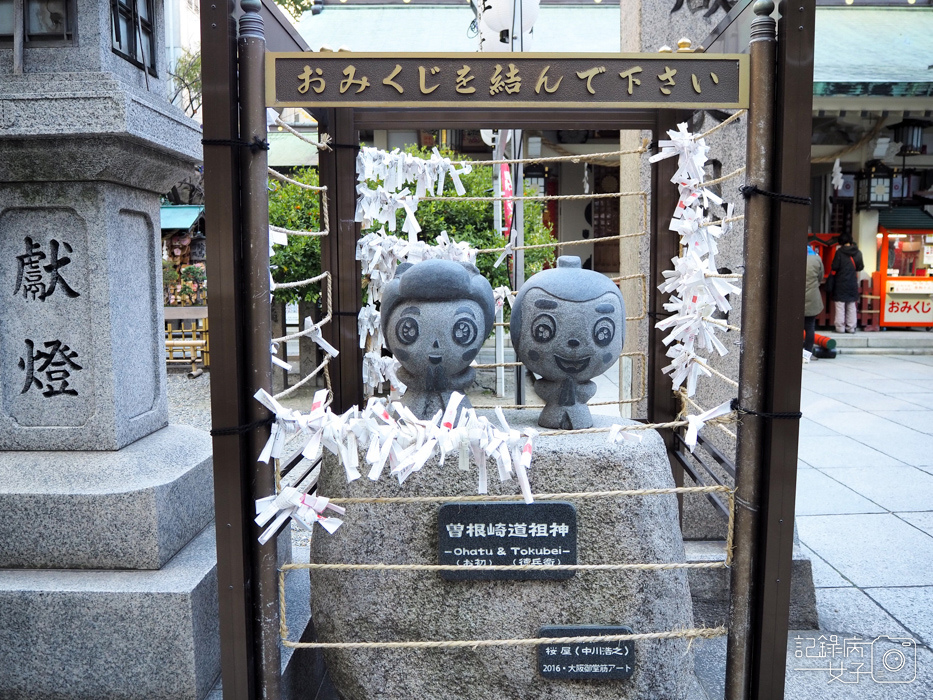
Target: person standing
(847,263)
(813,301)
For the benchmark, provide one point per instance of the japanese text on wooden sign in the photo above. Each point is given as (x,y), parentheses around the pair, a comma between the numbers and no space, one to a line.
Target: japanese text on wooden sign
(492,81)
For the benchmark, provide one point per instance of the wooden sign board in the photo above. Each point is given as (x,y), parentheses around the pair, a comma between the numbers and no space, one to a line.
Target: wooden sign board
(510,80)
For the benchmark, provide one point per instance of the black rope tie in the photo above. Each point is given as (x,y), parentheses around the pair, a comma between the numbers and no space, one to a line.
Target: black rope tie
(793,415)
(243,429)
(748,190)
(256,145)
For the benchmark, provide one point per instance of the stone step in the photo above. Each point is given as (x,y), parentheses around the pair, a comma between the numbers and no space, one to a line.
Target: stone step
(151,635)
(709,588)
(885,342)
(127,509)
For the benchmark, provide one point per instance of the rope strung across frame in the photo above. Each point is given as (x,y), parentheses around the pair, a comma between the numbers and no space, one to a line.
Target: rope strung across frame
(538,496)
(721,125)
(256,145)
(748,190)
(696,633)
(323,144)
(508,567)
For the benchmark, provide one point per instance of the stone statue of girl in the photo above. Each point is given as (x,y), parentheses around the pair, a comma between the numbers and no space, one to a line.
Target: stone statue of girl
(568,325)
(435,316)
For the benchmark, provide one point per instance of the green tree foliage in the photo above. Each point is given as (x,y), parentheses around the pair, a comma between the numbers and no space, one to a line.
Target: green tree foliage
(186,82)
(298,209)
(473,222)
(295,7)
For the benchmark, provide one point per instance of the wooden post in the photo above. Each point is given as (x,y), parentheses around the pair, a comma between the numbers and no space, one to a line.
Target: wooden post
(744,591)
(228,406)
(338,254)
(791,168)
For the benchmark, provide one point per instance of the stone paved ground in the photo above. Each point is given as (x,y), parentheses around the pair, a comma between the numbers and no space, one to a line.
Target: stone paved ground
(865,517)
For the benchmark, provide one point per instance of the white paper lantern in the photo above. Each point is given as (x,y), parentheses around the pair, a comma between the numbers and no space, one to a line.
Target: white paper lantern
(490,41)
(497,14)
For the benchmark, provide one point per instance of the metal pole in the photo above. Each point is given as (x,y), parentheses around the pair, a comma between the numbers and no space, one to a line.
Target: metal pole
(518,219)
(754,363)
(257,317)
(498,150)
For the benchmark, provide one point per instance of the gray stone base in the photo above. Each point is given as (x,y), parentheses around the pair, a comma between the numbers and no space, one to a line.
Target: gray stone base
(112,634)
(132,509)
(407,605)
(710,587)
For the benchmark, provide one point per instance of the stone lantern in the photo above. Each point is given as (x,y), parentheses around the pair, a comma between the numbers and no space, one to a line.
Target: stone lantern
(91,474)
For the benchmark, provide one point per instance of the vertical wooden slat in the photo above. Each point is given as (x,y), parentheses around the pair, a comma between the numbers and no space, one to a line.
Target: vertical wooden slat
(662,403)
(222,221)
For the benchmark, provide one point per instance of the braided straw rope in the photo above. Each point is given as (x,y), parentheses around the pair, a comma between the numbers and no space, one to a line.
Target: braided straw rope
(284,178)
(560,244)
(300,283)
(568,157)
(322,145)
(537,496)
(536,197)
(720,125)
(724,178)
(293,232)
(508,567)
(697,633)
(720,222)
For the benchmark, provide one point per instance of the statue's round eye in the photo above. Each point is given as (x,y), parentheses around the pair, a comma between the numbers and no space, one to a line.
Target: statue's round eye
(543,328)
(406,330)
(464,331)
(604,331)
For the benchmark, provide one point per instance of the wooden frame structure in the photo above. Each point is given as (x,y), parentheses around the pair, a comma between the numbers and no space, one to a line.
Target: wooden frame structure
(236,206)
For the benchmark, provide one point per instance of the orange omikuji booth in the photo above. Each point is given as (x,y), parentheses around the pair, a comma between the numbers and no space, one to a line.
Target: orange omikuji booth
(904,280)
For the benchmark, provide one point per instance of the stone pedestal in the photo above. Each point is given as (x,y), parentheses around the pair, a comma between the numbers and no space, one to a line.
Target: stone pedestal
(409,605)
(112,634)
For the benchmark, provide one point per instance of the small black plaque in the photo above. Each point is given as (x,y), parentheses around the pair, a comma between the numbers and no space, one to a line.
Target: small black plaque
(591,661)
(485,534)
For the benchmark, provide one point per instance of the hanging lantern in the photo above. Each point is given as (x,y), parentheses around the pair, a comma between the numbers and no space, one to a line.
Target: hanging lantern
(497,14)
(909,133)
(874,185)
(492,41)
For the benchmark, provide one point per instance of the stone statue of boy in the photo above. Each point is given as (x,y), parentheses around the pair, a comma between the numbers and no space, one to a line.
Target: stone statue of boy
(568,325)
(435,316)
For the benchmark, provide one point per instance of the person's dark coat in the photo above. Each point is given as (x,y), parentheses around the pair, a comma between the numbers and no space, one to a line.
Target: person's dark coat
(847,263)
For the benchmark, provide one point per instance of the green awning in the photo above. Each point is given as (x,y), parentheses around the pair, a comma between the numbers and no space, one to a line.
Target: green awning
(878,50)
(905,219)
(180,216)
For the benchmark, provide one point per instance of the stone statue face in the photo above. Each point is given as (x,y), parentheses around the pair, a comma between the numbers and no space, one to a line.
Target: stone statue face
(436,339)
(563,339)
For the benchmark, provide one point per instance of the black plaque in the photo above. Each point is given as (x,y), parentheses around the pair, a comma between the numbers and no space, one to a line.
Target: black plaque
(590,661)
(471,535)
